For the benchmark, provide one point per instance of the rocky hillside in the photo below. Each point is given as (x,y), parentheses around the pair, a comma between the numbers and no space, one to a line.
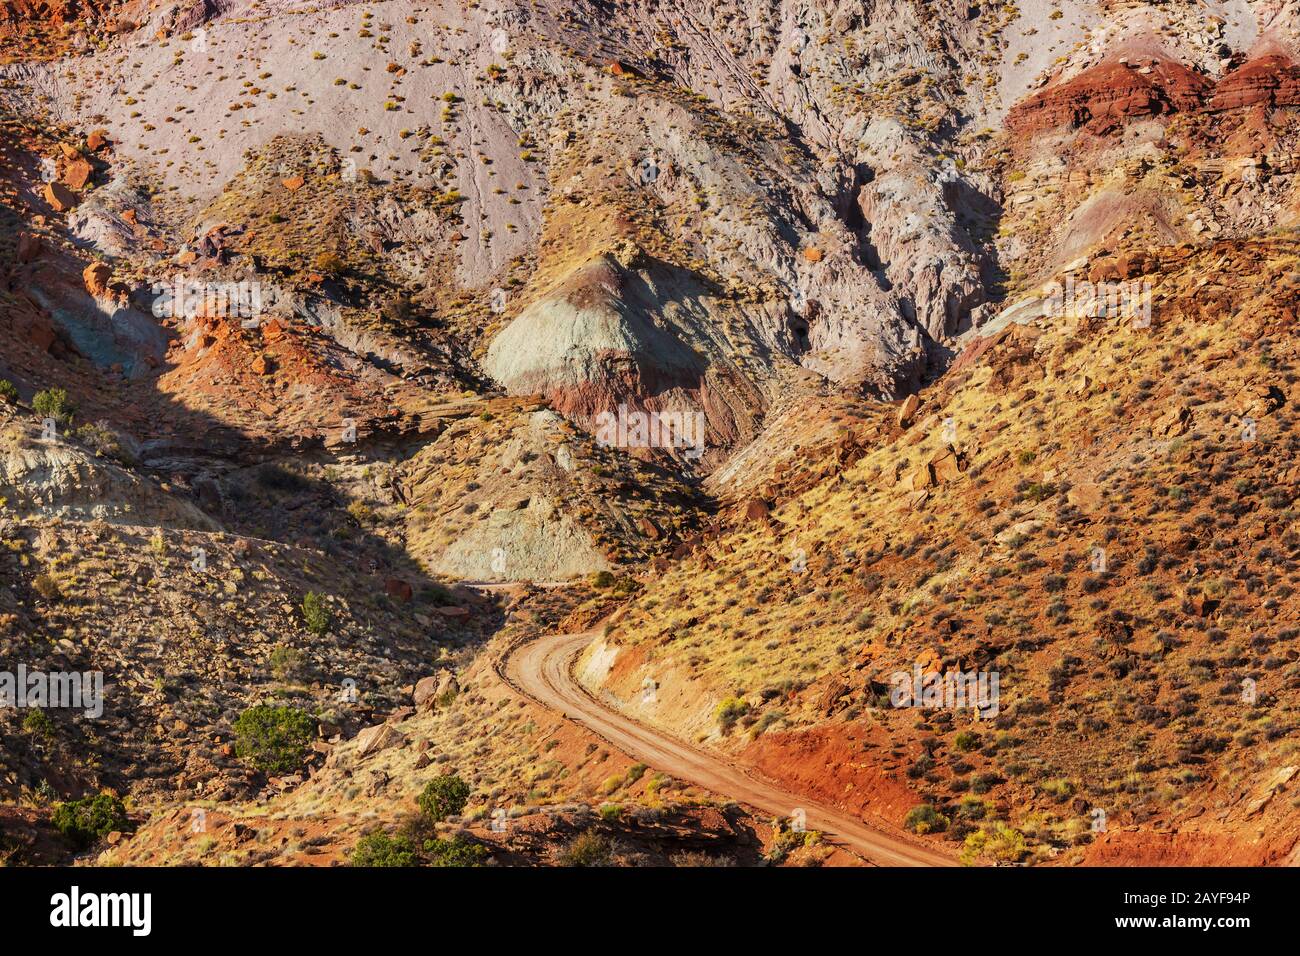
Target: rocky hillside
(349,347)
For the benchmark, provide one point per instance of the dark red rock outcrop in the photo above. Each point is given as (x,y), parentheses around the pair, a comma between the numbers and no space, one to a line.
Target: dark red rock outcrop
(1101,98)
(1268,81)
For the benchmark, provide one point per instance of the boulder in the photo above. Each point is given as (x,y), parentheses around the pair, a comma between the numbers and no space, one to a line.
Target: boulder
(95,277)
(371,740)
(77,173)
(398,589)
(60,197)
(907,411)
(947,464)
(1021,529)
(620,68)
(1175,422)
(918,479)
(426,688)
(830,697)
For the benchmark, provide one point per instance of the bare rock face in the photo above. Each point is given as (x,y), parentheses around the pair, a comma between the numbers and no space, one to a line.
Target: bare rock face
(524,510)
(936,266)
(610,336)
(599,339)
(52,476)
(541,543)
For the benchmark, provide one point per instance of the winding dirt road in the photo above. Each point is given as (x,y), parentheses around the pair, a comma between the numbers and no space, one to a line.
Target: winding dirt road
(543,671)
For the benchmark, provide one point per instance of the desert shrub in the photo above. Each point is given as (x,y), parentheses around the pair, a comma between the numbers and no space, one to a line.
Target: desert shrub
(362,513)
(53,403)
(625,586)
(90,819)
(285,661)
(273,739)
(37,723)
(444,797)
(398,309)
(587,849)
(1060,789)
(455,852)
(731,710)
(103,441)
(8,391)
(924,818)
(315,614)
(379,849)
(691,858)
(786,842)
(438,594)
(966,740)
(996,841)
(277,478)
(47,586)
(1038,491)
(602,579)
(329,264)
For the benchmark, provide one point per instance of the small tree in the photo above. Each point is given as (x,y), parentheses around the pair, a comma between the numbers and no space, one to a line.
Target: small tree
(273,739)
(91,818)
(379,849)
(455,852)
(315,614)
(53,403)
(37,723)
(444,797)
(8,391)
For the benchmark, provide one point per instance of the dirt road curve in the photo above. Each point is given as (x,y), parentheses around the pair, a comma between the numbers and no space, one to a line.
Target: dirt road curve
(543,671)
